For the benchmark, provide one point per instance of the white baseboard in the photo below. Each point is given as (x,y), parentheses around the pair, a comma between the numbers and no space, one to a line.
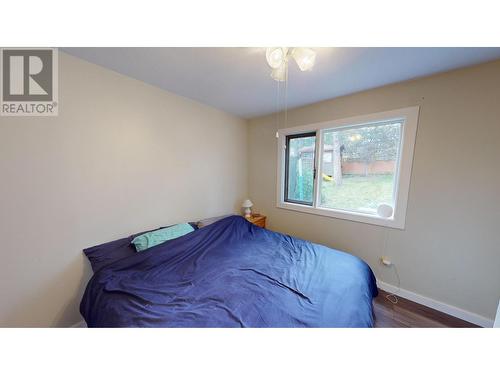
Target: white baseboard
(80,324)
(436,305)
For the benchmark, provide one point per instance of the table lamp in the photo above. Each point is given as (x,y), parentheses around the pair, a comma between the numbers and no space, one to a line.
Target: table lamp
(247,204)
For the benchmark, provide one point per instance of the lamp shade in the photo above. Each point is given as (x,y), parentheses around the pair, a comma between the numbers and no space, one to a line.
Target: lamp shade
(276,56)
(279,74)
(247,203)
(304,57)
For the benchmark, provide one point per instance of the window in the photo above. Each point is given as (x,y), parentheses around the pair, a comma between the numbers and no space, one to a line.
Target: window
(359,166)
(299,168)
(357,169)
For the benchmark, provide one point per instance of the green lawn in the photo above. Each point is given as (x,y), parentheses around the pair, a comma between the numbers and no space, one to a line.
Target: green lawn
(358,193)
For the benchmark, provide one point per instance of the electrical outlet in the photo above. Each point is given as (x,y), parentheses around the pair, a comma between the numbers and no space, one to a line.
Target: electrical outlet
(386,261)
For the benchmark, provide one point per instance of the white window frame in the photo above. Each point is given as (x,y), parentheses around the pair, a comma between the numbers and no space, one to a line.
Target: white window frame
(409,118)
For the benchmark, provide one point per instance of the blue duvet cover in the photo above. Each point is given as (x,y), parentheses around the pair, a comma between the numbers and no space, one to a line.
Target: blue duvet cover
(232,274)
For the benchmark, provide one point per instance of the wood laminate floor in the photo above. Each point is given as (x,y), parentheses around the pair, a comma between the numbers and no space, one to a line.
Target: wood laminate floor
(408,314)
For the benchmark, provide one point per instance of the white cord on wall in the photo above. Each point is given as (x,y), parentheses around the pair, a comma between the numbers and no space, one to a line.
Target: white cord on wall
(392,297)
(278,101)
(277,107)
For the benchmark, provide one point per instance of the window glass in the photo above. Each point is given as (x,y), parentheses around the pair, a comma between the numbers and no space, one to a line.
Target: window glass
(359,166)
(299,172)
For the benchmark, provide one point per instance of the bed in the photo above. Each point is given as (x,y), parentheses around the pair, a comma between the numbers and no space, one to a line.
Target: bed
(230,274)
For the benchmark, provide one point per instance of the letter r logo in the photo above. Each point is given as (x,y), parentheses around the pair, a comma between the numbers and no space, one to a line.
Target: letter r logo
(27,75)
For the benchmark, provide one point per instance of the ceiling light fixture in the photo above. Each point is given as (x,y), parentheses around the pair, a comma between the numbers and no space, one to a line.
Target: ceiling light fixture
(304,57)
(277,58)
(279,74)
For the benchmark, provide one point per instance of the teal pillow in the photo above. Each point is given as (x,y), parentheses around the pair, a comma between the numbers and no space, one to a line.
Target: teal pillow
(156,237)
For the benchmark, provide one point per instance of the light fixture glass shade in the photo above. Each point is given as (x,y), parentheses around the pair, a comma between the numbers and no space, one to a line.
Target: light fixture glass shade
(304,57)
(247,203)
(276,56)
(279,74)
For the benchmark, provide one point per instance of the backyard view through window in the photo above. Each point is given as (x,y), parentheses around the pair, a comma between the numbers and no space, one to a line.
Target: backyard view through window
(359,166)
(356,168)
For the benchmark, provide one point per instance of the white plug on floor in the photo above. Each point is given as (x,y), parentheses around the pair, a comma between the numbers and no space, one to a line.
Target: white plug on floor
(392,297)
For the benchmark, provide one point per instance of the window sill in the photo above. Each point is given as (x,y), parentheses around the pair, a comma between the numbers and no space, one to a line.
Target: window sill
(345,215)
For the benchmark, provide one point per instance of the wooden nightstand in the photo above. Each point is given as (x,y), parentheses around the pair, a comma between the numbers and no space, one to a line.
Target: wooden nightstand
(259,220)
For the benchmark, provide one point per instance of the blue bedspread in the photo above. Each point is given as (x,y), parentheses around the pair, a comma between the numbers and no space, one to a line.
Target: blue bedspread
(232,274)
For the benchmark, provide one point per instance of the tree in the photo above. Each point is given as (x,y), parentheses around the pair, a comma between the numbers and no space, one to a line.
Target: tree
(371,143)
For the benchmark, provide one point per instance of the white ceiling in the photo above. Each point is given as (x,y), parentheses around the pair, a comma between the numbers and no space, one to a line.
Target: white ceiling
(236,80)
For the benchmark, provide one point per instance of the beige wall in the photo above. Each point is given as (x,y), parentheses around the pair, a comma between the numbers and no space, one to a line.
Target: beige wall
(450,249)
(121,157)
